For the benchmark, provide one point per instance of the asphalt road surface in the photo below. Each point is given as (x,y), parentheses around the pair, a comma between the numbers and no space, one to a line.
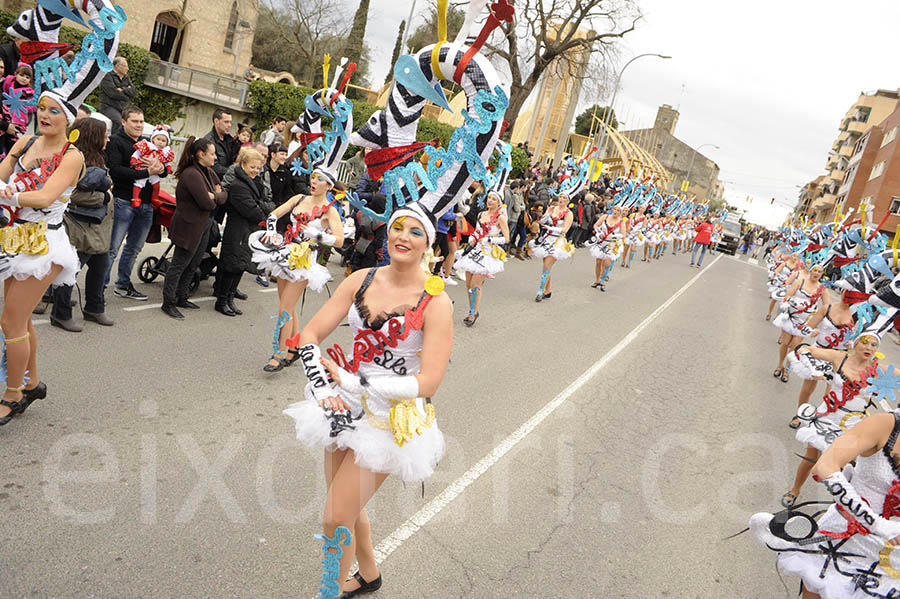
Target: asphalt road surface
(598,445)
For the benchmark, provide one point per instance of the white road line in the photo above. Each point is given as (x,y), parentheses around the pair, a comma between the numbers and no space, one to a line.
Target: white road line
(753,261)
(196,300)
(455,489)
(273,289)
(40,321)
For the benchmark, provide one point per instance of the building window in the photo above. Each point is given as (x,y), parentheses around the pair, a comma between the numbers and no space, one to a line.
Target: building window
(165,30)
(892,134)
(877,170)
(895,206)
(232,25)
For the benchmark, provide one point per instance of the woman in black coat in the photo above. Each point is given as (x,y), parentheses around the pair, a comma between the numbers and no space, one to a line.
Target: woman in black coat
(244,211)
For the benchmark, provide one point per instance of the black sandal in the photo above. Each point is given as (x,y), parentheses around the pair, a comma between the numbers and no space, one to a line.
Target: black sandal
(788,500)
(31,395)
(794,423)
(602,288)
(13,410)
(768,317)
(364,587)
(595,285)
(547,295)
(777,373)
(282,362)
(784,375)
(293,356)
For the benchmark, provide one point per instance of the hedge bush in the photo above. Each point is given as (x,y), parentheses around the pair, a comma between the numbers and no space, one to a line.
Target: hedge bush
(158,106)
(268,100)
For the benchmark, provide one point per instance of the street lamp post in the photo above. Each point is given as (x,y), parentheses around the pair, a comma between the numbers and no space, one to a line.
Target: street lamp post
(609,109)
(694,155)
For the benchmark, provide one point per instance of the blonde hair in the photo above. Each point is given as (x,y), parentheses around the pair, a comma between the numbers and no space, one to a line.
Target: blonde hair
(247,154)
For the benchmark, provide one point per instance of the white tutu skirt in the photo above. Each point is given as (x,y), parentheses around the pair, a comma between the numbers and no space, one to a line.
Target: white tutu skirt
(374,448)
(479,261)
(821,574)
(819,430)
(275,260)
(634,240)
(809,368)
(606,251)
(777,292)
(788,324)
(552,247)
(60,251)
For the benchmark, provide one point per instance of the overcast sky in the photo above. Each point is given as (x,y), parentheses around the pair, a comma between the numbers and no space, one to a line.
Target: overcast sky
(768,82)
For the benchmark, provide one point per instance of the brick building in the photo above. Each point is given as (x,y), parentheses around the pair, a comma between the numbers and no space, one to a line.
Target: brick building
(882,186)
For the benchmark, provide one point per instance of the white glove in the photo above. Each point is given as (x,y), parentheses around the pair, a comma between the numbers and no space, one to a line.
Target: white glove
(497,239)
(393,386)
(322,384)
(13,201)
(846,496)
(271,232)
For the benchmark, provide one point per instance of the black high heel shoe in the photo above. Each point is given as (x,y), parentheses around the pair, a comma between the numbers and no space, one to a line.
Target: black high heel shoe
(364,587)
(30,395)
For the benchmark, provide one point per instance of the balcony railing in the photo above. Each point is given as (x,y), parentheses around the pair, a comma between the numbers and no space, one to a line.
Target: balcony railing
(197,84)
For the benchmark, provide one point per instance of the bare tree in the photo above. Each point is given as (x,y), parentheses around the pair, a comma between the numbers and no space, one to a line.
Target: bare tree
(183,22)
(559,34)
(310,27)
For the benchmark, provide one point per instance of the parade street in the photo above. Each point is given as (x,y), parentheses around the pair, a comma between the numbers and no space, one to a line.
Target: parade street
(598,445)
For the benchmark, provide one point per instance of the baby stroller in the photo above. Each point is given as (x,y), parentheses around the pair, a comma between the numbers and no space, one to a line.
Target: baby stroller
(151,266)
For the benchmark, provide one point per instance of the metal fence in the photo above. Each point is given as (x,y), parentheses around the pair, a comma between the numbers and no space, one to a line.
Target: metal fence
(186,81)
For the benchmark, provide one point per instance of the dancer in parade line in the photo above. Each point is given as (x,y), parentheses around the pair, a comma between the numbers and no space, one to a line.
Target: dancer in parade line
(800,303)
(483,256)
(847,552)
(665,235)
(634,239)
(783,275)
(374,415)
(833,325)
(606,243)
(651,238)
(40,173)
(844,404)
(551,245)
(292,258)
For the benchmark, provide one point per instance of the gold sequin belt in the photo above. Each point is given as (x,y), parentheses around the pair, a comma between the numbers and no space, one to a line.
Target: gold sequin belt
(405,421)
(26,237)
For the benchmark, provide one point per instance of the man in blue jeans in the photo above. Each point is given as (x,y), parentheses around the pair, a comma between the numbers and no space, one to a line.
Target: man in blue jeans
(131,223)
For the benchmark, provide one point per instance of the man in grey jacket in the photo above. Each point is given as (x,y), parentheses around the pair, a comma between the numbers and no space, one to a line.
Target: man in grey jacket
(116,92)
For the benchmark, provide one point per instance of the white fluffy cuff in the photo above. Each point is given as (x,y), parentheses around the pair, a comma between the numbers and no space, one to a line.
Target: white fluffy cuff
(397,387)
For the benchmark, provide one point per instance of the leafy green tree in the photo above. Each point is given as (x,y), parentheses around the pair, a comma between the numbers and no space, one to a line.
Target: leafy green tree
(583,120)
(396,53)
(358,32)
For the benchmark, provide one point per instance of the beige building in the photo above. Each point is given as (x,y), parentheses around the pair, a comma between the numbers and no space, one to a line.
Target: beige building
(546,119)
(868,110)
(207,64)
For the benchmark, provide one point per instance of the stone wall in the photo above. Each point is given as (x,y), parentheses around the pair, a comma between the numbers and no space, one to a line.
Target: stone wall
(204,39)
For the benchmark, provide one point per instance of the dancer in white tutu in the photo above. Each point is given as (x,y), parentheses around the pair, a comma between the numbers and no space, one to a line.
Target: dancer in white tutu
(606,244)
(292,258)
(845,402)
(850,551)
(551,245)
(483,257)
(782,274)
(833,326)
(634,238)
(372,413)
(39,174)
(801,302)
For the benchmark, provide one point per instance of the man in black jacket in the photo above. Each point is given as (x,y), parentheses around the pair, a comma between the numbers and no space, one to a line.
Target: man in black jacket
(116,92)
(133,222)
(220,135)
